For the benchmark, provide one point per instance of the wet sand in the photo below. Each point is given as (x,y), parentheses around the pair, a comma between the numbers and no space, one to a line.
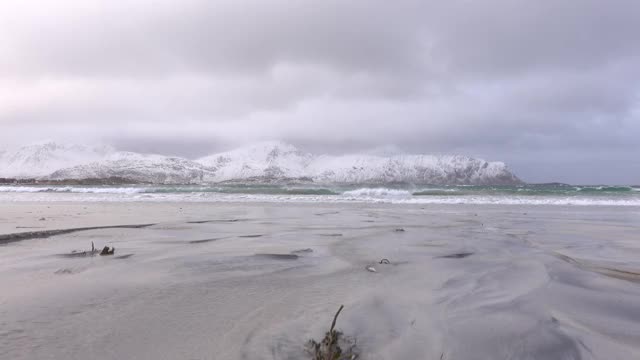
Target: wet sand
(256,281)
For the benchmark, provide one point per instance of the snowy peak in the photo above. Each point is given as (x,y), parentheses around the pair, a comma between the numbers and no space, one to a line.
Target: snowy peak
(264,152)
(267,159)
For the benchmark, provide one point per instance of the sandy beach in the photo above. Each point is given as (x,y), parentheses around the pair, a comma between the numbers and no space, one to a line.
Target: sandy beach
(257,280)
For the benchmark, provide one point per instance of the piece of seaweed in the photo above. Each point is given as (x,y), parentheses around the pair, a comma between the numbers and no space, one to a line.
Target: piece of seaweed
(331,346)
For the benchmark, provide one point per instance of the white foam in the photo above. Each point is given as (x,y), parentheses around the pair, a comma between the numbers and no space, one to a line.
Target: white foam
(360,196)
(377,193)
(71,189)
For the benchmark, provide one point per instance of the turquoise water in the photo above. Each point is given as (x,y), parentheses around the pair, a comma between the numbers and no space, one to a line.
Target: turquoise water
(562,194)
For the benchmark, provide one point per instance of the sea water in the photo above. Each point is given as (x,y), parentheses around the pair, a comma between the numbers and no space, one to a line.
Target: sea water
(533,194)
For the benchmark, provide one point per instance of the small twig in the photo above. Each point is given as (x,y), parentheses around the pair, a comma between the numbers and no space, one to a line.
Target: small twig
(333,336)
(335,318)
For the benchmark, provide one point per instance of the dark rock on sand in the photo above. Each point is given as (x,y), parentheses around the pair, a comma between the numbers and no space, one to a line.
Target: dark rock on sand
(107,251)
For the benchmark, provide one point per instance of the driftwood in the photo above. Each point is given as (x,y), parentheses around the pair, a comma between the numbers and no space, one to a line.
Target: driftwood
(105,251)
(78,253)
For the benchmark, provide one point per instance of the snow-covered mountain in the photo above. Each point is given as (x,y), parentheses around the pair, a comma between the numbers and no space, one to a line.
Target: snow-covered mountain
(263,162)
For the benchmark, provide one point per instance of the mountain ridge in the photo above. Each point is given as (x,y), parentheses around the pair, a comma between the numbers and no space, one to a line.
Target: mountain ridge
(267,161)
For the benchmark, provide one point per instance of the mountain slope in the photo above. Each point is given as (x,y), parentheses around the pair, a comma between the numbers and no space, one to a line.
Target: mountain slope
(155,169)
(417,169)
(41,159)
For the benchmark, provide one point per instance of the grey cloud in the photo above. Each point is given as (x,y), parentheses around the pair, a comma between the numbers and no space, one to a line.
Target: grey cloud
(515,80)
(137,37)
(504,36)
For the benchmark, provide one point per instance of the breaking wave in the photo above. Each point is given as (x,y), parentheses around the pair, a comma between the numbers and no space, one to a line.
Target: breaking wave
(377,193)
(71,189)
(596,189)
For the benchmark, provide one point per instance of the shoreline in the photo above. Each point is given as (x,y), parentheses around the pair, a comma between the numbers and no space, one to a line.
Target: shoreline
(211,198)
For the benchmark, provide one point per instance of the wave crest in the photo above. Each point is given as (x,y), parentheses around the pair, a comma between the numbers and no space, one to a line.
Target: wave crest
(71,189)
(378,193)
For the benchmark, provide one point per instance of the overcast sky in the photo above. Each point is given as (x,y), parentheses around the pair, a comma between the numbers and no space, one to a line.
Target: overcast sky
(551,87)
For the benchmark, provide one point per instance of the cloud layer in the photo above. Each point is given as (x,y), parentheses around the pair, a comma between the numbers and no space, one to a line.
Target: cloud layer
(553,88)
